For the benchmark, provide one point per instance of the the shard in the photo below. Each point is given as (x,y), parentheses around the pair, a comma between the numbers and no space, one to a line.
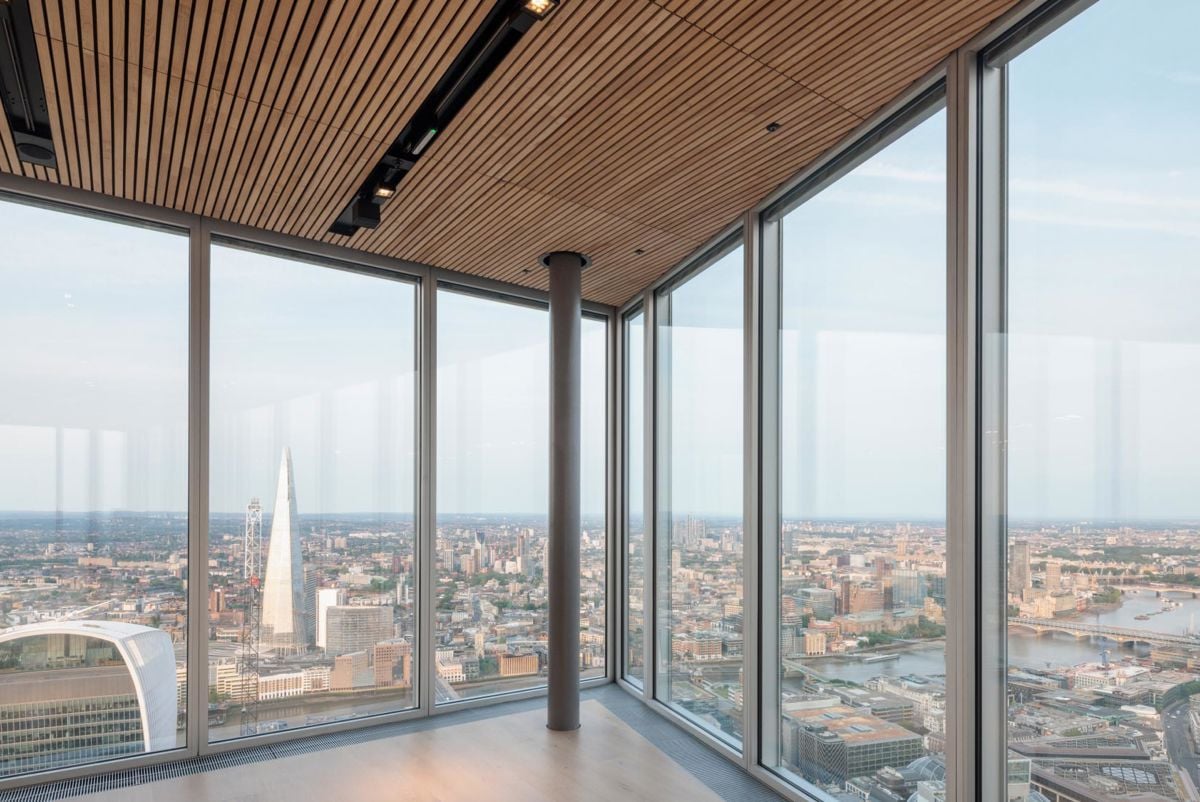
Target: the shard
(284,627)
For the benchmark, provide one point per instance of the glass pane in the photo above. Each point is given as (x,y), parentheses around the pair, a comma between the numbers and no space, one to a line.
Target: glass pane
(699,493)
(635,547)
(93,489)
(1103,516)
(862,541)
(593,551)
(492,484)
(311,531)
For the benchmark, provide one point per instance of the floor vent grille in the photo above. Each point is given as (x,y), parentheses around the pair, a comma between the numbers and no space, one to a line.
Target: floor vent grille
(727,780)
(124,778)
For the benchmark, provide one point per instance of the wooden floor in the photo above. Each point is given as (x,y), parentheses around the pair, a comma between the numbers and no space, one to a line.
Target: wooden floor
(506,757)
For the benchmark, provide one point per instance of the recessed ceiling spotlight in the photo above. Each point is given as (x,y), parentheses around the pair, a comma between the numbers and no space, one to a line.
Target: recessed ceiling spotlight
(539,8)
(773,127)
(384,192)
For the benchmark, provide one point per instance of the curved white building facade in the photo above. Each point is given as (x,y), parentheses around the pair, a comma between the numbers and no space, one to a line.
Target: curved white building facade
(148,655)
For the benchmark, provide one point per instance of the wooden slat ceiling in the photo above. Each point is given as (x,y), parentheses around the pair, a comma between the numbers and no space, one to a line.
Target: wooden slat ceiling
(615,126)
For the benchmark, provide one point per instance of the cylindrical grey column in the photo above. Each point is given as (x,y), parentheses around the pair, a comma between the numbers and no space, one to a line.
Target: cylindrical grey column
(562,563)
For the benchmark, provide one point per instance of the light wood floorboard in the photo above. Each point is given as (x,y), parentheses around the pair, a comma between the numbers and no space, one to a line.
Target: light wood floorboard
(508,757)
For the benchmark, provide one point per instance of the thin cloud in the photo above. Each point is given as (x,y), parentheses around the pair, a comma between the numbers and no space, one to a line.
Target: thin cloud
(1184,77)
(1076,190)
(881,169)
(889,200)
(1189,230)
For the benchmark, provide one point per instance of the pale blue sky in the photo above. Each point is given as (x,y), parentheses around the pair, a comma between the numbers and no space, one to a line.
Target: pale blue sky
(1105,343)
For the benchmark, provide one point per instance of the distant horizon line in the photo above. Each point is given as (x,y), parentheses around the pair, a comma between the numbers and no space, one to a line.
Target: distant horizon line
(715,517)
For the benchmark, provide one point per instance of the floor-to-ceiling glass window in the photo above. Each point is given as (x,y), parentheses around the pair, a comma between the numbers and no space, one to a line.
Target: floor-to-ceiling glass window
(699,390)
(311,604)
(1102,513)
(93,488)
(860,582)
(633,471)
(593,549)
(493,398)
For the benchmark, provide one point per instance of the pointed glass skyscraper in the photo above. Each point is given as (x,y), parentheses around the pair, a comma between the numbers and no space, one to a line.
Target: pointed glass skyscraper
(284,628)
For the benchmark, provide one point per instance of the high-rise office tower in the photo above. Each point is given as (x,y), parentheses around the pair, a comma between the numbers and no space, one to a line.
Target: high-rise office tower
(1053,575)
(1019,577)
(311,580)
(284,627)
(480,552)
(326,598)
(356,628)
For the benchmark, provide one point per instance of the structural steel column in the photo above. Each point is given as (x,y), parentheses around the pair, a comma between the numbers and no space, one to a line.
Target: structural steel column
(562,564)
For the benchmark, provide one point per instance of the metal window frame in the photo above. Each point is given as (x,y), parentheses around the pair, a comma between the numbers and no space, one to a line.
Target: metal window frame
(972,250)
(974,188)
(622,453)
(982,78)
(656,302)
(919,104)
(202,233)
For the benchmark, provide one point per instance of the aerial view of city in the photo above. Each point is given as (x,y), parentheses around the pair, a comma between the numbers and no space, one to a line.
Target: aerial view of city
(1102,643)
(308,623)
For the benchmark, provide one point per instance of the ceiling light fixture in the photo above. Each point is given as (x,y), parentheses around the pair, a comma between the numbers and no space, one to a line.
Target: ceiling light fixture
(21,88)
(491,42)
(539,8)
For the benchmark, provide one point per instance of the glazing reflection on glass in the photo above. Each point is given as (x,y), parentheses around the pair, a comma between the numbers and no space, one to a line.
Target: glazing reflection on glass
(493,456)
(699,493)
(862,559)
(311,530)
(635,511)
(93,489)
(1103,360)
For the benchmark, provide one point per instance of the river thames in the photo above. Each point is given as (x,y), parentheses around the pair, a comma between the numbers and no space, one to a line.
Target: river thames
(1026,650)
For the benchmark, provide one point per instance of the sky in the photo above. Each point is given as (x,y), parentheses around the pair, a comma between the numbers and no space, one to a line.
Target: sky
(1103,339)
(302,356)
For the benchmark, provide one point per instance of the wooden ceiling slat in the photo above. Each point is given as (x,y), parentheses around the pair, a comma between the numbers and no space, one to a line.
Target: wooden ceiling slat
(325,110)
(457,156)
(277,99)
(302,154)
(447,33)
(285,29)
(50,84)
(171,68)
(228,130)
(228,104)
(615,125)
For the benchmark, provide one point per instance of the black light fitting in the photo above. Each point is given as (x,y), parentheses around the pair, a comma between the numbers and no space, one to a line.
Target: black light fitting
(21,88)
(495,38)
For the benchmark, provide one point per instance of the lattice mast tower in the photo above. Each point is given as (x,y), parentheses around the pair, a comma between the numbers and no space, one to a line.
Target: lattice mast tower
(248,657)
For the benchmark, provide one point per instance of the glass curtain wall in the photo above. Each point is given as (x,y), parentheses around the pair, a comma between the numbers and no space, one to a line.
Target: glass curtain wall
(1100,510)
(634,552)
(699,496)
(312,494)
(593,552)
(93,488)
(492,486)
(861,550)
(312,421)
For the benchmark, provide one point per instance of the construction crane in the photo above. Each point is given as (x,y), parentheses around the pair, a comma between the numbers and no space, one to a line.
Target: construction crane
(248,656)
(252,540)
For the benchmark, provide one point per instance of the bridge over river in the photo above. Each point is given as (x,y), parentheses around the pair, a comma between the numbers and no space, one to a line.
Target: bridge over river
(1119,634)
